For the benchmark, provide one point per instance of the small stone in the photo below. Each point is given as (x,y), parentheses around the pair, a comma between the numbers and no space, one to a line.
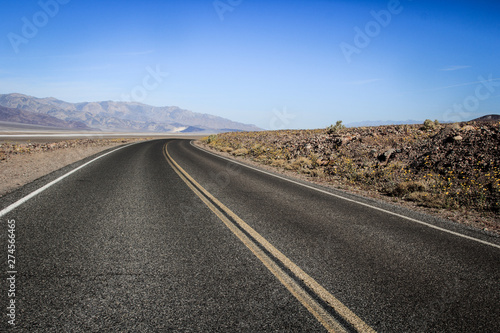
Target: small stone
(385,156)
(468,128)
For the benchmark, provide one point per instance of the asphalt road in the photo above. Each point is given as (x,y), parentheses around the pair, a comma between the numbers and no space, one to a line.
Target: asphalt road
(142,240)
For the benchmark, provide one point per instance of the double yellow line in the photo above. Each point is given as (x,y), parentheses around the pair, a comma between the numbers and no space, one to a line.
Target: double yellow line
(328,310)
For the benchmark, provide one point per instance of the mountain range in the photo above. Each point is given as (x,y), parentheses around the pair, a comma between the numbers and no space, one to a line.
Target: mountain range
(11,115)
(112,116)
(383,122)
(491,117)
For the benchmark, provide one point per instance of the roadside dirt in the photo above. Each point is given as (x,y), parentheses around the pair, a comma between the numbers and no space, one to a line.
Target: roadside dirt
(450,171)
(22,163)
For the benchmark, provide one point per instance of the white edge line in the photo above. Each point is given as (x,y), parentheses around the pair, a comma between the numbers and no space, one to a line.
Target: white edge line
(351,200)
(43,188)
(86,135)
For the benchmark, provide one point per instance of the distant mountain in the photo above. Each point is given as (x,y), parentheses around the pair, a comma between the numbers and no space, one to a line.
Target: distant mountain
(383,122)
(191,129)
(25,117)
(490,117)
(123,116)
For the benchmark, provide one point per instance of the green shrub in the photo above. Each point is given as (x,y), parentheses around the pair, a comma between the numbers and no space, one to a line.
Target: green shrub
(332,129)
(211,138)
(429,125)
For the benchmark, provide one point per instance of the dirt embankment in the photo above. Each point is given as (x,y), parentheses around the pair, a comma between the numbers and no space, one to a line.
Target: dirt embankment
(452,170)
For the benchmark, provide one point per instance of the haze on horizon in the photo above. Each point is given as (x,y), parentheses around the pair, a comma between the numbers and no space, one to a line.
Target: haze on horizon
(275,64)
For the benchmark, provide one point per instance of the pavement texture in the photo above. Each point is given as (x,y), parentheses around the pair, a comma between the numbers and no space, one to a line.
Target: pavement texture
(123,245)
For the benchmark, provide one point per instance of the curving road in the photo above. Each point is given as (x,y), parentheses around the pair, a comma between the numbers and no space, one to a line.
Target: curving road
(148,239)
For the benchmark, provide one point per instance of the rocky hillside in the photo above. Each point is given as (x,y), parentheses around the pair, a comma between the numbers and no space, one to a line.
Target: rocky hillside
(490,117)
(454,167)
(123,116)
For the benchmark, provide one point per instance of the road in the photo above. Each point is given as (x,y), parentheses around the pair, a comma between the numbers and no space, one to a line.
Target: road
(148,239)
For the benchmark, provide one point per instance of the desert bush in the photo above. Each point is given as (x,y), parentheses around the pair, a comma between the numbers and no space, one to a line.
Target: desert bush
(314,159)
(404,188)
(429,199)
(240,152)
(257,150)
(301,163)
(332,129)
(278,163)
(319,173)
(429,125)
(210,138)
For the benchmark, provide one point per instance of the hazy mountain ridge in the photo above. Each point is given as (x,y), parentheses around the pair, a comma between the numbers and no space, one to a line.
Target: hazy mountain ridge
(383,123)
(119,116)
(27,117)
(490,117)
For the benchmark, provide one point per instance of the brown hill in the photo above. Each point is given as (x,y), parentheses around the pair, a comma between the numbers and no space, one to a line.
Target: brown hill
(490,117)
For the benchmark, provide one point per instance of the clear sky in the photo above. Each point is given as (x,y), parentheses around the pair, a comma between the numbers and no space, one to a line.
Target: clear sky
(276,64)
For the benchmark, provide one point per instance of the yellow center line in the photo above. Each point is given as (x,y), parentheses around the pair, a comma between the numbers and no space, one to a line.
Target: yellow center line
(325,318)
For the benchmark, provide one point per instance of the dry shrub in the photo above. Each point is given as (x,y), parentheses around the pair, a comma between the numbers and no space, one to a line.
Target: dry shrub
(429,125)
(301,163)
(240,152)
(278,163)
(409,187)
(428,199)
(314,159)
(320,173)
(262,159)
(257,150)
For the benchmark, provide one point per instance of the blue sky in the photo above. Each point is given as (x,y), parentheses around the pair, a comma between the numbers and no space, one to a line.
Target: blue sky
(276,64)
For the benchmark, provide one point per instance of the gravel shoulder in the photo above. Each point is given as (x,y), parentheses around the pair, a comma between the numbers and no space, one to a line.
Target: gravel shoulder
(25,162)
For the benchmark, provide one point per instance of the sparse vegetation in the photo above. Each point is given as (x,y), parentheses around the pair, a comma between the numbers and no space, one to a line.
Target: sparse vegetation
(8,149)
(211,138)
(455,167)
(333,129)
(430,125)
